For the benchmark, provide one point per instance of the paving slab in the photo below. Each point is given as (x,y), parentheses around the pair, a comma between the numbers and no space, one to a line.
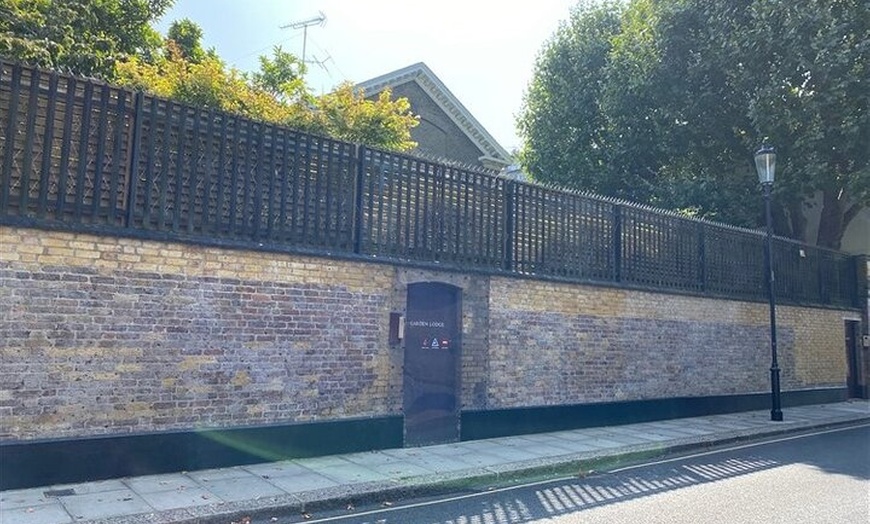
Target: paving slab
(37,514)
(301,482)
(373,458)
(517,453)
(478,459)
(215,475)
(160,483)
(248,487)
(276,469)
(22,498)
(350,473)
(102,504)
(442,464)
(180,498)
(403,469)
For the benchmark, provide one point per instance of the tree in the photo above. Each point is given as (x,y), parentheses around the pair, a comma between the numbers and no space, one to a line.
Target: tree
(276,94)
(282,75)
(563,125)
(687,89)
(187,36)
(208,84)
(346,114)
(85,37)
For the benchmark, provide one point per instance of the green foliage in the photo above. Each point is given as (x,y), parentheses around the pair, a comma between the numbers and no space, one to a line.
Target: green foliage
(282,75)
(187,36)
(563,124)
(208,84)
(664,101)
(275,94)
(346,114)
(85,37)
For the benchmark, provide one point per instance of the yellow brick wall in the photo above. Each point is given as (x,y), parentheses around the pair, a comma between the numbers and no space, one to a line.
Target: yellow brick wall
(101,335)
(617,344)
(105,335)
(33,249)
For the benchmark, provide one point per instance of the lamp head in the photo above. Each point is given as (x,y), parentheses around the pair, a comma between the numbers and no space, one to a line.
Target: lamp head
(765,164)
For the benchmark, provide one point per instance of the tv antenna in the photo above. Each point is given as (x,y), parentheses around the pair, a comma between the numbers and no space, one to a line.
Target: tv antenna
(320,20)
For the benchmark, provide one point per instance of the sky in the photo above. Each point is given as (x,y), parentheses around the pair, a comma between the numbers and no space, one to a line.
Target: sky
(483,50)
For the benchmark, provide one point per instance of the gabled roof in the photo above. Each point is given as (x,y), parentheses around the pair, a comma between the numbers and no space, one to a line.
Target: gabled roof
(452,107)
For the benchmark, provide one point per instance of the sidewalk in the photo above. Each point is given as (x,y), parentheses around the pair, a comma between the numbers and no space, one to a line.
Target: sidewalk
(281,488)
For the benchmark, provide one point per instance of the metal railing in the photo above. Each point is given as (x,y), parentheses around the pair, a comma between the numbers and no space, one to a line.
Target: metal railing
(83,155)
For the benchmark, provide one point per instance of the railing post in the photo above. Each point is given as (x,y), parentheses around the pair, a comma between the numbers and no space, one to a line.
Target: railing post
(47,139)
(12,119)
(861,289)
(133,173)
(821,288)
(702,257)
(509,224)
(359,185)
(29,135)
(617,243)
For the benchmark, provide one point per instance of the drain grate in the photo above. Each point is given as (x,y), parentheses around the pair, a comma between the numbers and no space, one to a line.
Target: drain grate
(59,492)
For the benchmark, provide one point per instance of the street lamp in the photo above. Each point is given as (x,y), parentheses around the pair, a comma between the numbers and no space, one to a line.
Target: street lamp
(765,164)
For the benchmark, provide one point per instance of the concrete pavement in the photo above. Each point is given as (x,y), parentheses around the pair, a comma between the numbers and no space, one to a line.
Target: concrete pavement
(295,486)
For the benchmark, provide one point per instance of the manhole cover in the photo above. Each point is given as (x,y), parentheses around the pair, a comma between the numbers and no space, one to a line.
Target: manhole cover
(59,492)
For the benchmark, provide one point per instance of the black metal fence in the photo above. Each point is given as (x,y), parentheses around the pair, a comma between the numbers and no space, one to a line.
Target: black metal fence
(82,155)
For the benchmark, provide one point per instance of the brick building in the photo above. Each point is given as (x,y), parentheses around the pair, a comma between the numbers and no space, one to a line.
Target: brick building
(447,129)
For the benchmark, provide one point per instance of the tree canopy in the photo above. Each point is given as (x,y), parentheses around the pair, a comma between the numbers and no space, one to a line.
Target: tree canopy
(86,37)
(664,102)
(115,40)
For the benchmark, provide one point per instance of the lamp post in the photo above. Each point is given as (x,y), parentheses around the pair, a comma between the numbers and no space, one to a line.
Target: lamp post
(765,164)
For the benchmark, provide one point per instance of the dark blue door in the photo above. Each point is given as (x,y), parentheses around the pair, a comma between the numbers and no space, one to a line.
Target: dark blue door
(431,370)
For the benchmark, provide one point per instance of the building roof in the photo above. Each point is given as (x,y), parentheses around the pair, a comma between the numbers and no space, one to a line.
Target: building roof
(452,107)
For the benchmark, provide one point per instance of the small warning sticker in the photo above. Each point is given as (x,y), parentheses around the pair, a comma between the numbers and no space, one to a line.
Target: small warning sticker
(435,343)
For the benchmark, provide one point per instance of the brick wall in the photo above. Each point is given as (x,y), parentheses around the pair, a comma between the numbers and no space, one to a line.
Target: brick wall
(437,135)
(103,335)
(557,344)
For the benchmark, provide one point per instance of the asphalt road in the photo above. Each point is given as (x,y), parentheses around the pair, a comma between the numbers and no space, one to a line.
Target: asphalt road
(816,478)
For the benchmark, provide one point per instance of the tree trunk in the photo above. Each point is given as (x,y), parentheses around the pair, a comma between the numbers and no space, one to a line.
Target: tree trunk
(798,220)
(835,217)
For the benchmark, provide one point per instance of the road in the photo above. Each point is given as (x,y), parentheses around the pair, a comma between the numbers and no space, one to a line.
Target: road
(817,478)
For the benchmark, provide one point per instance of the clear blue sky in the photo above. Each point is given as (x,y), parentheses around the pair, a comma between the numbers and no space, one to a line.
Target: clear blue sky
(483,51)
